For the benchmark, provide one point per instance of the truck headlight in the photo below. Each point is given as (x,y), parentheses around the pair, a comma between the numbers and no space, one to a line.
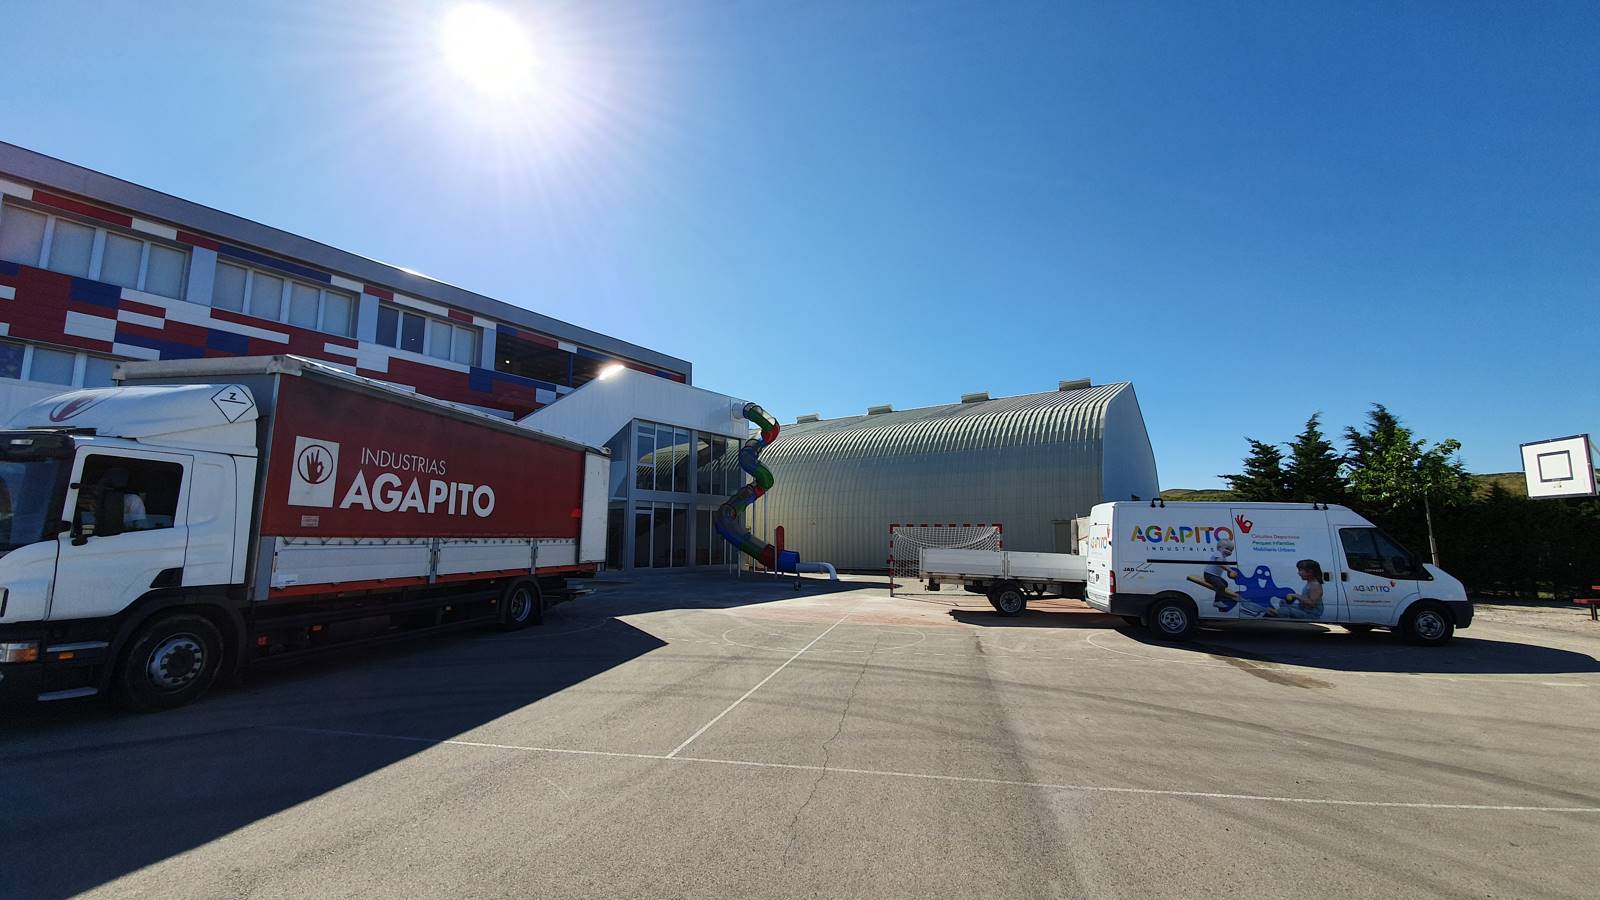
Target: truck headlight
(19,652)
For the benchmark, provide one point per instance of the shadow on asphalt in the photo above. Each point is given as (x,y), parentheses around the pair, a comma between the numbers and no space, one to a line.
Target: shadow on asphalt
(92,794)
(1318,646)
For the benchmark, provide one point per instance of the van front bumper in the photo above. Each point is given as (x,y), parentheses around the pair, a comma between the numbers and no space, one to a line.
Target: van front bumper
(1122,604)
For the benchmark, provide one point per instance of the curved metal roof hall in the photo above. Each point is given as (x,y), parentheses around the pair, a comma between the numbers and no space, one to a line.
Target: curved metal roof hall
(1028,462)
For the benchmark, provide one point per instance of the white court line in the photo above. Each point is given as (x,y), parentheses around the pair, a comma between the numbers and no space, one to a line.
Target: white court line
(703,728)
(956,779)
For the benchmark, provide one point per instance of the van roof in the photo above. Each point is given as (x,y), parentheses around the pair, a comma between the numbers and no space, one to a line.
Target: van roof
(1216,504)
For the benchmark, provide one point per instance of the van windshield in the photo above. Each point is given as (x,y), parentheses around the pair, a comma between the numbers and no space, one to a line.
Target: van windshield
(33,475)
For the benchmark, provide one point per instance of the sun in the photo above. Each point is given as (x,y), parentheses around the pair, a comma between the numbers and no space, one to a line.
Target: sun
(488,49)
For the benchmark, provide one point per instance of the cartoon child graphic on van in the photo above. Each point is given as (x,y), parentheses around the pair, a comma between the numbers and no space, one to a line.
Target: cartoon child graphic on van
(1307,604)
(1216,576)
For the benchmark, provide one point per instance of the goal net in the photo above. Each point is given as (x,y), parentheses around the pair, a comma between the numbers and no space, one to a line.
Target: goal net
(907,541)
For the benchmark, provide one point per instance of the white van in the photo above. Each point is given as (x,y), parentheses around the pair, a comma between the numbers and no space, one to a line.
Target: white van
(1170,566)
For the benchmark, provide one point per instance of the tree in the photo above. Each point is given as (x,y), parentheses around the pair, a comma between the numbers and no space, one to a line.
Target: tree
(1397,479)
(1390,469)
(1312,474)
(1263,476)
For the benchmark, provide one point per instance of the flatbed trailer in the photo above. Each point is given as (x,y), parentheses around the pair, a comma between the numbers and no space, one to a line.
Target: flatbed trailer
(1007,577)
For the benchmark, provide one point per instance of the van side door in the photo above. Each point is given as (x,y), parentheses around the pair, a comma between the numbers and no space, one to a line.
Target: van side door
(1285,564)
(1379,577)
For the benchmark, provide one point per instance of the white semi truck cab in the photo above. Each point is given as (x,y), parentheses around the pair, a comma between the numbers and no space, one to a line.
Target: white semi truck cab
(214,513)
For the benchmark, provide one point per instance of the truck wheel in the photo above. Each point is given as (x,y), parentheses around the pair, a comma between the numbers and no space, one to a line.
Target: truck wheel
(1427,624)
(1173,620)
(1009,600)
(522,605)
(169,662)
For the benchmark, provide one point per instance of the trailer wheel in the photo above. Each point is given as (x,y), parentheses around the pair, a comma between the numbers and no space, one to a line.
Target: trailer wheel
(1172,619)
(521,605)
(170,661)
(1009,600)
(1427,624)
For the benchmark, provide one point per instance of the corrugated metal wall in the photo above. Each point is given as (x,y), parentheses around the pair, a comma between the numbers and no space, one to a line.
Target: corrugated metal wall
(1025,461)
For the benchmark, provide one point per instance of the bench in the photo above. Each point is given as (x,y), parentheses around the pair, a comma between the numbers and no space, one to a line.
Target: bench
(1592,602)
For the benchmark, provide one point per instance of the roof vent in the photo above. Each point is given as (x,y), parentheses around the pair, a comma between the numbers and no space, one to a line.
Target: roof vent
(1076,384)
(879,410)
(977,397)
(808,417)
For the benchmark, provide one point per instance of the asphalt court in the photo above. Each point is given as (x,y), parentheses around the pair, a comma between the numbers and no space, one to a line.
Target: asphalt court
(736,737)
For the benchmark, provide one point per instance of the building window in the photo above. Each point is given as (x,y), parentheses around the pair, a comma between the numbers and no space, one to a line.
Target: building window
(47,365)
(715,457)
(416,332)
(97,371)
(298,303)
(710,549)
(73,248)
(662,459)
(645,457)
(527,359)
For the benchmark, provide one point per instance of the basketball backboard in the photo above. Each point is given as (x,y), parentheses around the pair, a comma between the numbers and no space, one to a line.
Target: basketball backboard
(1562,467)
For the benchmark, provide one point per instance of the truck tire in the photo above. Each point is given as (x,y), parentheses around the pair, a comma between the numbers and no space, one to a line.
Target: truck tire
(1427,624)
(1009,600)
(521,605)
(170,661)
(1172,619)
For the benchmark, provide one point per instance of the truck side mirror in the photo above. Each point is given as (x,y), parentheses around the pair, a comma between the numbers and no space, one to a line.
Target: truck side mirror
(75,528)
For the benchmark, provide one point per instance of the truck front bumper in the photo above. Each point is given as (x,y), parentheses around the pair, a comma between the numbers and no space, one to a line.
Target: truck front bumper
(32,667)
(20,682)
(20,679)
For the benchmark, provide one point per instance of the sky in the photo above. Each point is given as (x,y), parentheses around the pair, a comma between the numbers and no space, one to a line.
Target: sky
(1251,211)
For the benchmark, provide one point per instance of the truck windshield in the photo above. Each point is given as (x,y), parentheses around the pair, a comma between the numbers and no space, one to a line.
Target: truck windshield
(33,475)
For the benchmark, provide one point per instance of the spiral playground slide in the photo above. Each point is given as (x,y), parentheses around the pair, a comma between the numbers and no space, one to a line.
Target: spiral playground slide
(729,520)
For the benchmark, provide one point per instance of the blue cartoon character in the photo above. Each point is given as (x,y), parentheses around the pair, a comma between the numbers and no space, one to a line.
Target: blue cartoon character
(1259,595)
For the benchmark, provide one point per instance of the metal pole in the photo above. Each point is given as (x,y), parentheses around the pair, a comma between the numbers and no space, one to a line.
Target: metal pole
(1433,545)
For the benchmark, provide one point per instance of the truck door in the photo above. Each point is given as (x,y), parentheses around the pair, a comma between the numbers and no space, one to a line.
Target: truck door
(1379,576)
(1285,564)
(128,533)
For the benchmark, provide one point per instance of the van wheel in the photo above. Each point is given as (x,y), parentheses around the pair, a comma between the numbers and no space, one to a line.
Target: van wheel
(521,606)
(169,662)
(1359,627)
(1172,619)
(1427,624)
(1009,600)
